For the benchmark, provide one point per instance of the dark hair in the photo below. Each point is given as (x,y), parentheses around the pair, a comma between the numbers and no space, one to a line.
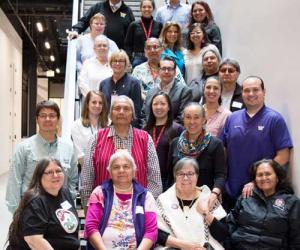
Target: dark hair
(262,84)
(103,117)
(152,3)
(221,85)
(283,183)
(152,119)
(190,44)
(164,31)
(35,189)
(47,104)
(232,63)
(210,17)
(168,58)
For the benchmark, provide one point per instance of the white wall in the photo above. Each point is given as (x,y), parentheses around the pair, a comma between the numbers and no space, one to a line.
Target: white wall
(264,36)
(10,90)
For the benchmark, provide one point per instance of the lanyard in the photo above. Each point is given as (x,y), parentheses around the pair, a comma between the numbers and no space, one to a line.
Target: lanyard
(156,141)
(147,34)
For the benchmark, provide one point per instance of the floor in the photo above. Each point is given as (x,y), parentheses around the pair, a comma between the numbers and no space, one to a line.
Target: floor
(5,216)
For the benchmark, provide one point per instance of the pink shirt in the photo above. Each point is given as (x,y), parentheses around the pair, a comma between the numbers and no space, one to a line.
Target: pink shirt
(217,121)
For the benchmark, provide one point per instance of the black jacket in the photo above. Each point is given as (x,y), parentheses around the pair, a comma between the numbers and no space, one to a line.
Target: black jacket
(237,102)
(116,23)
(260,223)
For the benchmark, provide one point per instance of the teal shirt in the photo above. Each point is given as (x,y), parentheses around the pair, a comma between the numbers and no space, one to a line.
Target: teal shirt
(25,159)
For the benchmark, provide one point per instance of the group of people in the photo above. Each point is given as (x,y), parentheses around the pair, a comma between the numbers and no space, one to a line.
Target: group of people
(172,152)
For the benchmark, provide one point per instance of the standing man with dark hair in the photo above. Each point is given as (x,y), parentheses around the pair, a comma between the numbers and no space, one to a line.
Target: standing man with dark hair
(118,17)
(252,134)
(45,143)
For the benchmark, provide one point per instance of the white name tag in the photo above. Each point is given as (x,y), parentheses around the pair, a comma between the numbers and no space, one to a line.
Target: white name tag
(261,128)
(66,205)
(123,14)
(139,210)
(237,104)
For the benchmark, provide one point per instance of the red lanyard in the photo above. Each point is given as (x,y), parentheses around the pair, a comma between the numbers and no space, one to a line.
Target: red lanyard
(147,34)
(156,141)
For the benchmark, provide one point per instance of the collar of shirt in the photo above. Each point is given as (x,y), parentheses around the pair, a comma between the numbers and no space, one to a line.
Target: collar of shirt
(45,142)
(115,7)
(172,6)
(168,87)
(112,132)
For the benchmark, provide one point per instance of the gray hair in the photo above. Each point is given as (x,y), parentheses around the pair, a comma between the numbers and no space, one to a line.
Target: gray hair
(121,154)
(194,104)
(184,162)
(216,52)
(231,62)
(122,98)
(101,38)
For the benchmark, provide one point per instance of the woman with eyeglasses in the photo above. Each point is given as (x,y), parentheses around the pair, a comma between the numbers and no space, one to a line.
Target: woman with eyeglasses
(171,38)
(216,114)
(201,13)
(197,43)
(185,220)
(122,83)
(198,143)
(46,217)
(163,130)
(96,68)
(139,31)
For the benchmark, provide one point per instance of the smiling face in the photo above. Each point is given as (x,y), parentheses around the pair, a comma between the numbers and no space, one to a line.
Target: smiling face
(253,94)
(167,71)
(53,178)
(172,35)
(118,65)
(199,14)
(146,9)
(186,179)
(160,107)
(153,50)
(97,26)
(193,120)
(210,63)
(122,172)
(101,48)
(266,179)
(95,105)
(196,36)
(212,90)
(47,121)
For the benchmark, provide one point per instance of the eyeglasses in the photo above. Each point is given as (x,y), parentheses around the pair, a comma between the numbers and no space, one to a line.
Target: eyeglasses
(229,70)
(52,172)
(51,116)
(154,47)
(166,69)
(118,61)
(101,46)
(189,175)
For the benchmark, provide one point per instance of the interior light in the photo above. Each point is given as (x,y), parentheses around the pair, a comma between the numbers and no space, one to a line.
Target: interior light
(47,45)
(57,70)
(39,26)
(52,58)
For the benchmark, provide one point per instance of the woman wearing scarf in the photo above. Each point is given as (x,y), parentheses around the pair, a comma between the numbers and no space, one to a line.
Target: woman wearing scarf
(195,142)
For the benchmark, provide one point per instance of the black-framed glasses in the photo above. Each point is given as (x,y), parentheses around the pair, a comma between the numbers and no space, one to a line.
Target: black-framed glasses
(52,172)
(189,175)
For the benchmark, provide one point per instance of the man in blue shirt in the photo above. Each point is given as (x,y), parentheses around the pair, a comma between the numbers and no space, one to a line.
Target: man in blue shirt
(174,11)
(252,134)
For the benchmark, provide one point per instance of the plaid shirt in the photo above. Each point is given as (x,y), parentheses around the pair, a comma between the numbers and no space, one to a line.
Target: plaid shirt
(88,171)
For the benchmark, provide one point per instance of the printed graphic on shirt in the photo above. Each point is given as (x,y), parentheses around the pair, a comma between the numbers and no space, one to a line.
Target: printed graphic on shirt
(279,203)
(67,220)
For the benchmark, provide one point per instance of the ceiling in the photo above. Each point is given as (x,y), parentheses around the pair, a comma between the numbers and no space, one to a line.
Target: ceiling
(55,17)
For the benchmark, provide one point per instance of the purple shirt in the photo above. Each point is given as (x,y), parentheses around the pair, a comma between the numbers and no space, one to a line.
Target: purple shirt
(249,139)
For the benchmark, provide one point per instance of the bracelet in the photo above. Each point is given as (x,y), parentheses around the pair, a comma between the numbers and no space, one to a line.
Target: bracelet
(214,192)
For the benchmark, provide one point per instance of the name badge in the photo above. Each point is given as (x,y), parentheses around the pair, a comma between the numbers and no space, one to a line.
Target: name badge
(66,205)
(139,210)
(260,128)
(123,14)
(238,105)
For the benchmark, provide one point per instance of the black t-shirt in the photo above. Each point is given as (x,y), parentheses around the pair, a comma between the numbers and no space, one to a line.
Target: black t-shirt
(54,217)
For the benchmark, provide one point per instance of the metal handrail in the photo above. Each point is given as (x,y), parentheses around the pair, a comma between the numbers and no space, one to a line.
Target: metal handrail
(70,80)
